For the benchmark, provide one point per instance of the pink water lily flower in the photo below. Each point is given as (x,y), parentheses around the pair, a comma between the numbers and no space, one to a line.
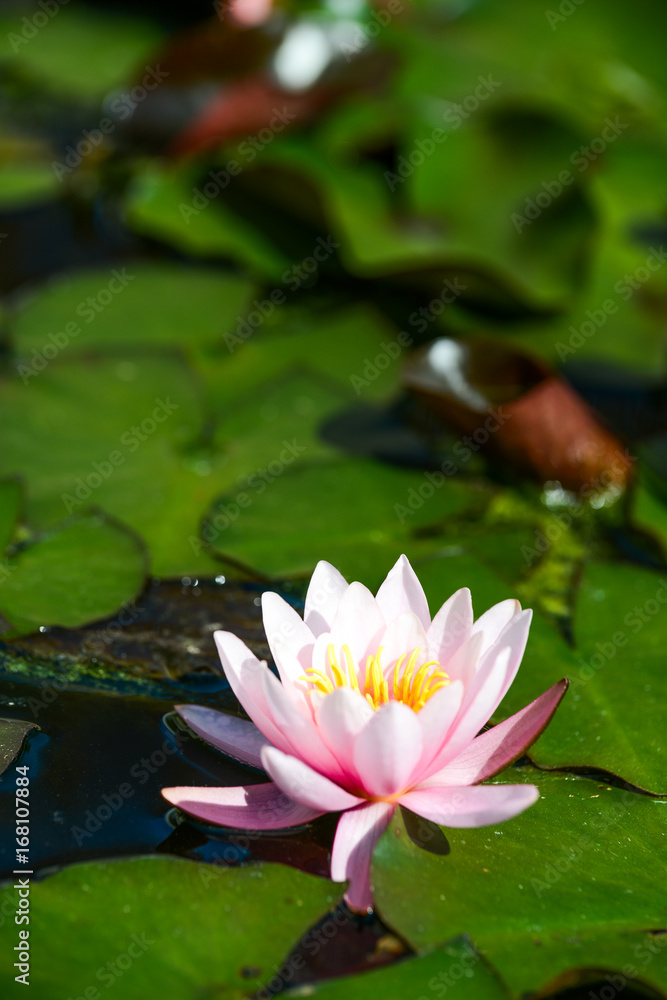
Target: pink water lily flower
(379,706)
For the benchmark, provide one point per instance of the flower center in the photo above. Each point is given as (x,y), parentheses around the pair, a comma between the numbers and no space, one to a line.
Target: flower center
(412,687)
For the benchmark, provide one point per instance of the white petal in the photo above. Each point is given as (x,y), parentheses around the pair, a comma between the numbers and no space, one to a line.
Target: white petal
(493,621)
(291,642)
(402,591)
(325,590)
(388,749)
(451,626)
(244,672)
(341,717)
(358,622)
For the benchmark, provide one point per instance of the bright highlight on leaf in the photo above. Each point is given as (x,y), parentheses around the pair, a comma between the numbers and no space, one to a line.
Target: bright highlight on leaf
(360,726)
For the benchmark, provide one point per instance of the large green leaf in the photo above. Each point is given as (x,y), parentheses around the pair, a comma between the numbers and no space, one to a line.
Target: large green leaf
(11,502)
(436,972)
(81,573)
(349,512)
(163,927)
(569,886)
(131,308)
(74,51)
(167,203)
(121,435)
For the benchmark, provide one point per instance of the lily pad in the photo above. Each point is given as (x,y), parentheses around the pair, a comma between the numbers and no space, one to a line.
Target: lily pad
(117,434)
(11,502)
(12,734)
(556,874)
(83,572)
(75,51)
(131,308)
(23,184)
(349,512)
(453,963)
(163,203)
(165,927)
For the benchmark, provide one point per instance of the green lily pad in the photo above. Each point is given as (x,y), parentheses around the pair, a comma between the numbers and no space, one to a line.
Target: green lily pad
(349,512)
(130,308)
(83,572)
(117,434)
(74,51)
(24,184)
(163,203)
(164,927)
(11,503)
(437,971)
(573,879)
(12,734)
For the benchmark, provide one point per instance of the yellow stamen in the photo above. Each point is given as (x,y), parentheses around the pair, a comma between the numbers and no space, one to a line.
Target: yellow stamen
(396,686)
(413,687)
(407,673)
(354,683)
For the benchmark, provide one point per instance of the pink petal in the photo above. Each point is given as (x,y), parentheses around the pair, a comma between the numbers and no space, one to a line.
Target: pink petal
(388,749)
(356,836)
(325,590)
(358,622)
(476,805)
(464,662)
(495,749)
(514,635)
(291,642)
(236,737)
(405,633)
(451,626)
(244,672)
(475,711)
(435,720)
(493,621)
(301,783)
(402,591)
(341,717)
(298,727)
(248,807)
